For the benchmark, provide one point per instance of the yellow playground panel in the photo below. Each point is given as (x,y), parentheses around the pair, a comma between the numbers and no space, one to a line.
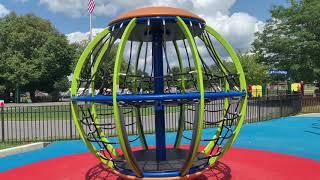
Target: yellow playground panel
(295,87)
(256,91)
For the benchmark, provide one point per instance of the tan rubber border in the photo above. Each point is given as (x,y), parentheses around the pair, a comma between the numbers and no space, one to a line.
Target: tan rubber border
(156,11)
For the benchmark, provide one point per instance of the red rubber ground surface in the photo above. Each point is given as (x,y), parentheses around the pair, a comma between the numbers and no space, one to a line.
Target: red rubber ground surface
(238,163)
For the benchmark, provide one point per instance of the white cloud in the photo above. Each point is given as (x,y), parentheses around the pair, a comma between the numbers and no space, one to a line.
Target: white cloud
(76,8)
(238,28)
(78,37)
(72,8)
(3,10)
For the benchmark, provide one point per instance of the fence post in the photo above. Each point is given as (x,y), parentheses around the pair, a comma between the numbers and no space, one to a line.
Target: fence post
(2,123)
(259,109)
(301,103)
(70,120)
(281,106)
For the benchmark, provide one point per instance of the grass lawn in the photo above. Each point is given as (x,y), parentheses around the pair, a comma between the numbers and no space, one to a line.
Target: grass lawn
(10,145)
(62,112)
(35,113)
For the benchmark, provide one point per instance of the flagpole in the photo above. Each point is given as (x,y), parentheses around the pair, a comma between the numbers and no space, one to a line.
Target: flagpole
(91,6)
(90,38)
(91,92)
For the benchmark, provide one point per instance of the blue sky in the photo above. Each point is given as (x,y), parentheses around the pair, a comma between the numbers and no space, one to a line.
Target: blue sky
(67,24)
(257,8)
(70,16)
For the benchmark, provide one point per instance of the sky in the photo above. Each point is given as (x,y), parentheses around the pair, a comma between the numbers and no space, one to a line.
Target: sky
(236,20)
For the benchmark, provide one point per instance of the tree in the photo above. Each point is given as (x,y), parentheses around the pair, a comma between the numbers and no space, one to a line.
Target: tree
(33,54)
(255,72)
(291,40)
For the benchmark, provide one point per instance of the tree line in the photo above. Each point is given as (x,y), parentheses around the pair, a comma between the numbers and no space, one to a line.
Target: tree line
(34,55)
(291,40)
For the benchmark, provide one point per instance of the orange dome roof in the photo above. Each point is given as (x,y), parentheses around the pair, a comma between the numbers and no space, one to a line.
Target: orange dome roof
(156,11)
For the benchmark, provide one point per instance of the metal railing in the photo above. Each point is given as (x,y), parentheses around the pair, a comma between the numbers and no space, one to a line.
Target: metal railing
(54,122)
(310,104)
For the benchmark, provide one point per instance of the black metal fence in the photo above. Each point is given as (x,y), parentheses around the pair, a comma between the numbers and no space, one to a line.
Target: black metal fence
(310,104)
(54,122)
(265,108)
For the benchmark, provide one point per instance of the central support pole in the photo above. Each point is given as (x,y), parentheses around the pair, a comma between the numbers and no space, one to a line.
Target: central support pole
(157,55)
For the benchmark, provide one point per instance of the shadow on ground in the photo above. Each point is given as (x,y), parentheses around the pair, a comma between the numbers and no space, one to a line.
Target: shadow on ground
(220,171)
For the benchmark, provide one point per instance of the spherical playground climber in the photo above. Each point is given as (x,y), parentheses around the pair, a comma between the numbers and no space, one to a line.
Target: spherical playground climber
(165,61)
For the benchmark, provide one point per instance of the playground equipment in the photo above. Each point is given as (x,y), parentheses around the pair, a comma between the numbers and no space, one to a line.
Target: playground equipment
(158,58)
(295,87)
(256,91)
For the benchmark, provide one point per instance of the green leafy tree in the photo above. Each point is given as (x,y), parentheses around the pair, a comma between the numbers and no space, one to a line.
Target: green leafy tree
(255,72)
(291,40)
(33,54)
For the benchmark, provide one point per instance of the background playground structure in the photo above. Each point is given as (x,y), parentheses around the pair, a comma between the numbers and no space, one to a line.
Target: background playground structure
(283,89)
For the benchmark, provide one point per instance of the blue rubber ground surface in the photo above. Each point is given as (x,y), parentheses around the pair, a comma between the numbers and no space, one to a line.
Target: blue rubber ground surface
(297,136)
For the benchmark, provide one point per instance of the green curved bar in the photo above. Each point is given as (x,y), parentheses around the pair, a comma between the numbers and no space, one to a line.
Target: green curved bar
(243,86)
(126,150)
(83,59)
(211,144)
(96,65)
(182,107)
(74,88)
(193,151)
(205,40)
(93,107)
(142,138)
(100,56)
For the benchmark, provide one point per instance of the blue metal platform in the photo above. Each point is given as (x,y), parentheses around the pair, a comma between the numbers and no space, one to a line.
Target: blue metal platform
(161,97)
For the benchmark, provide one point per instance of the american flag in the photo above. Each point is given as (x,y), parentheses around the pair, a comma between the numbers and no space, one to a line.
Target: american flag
(91,6)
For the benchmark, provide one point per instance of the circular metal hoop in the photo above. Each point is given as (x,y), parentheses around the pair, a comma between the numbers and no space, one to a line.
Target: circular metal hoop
(131,164)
